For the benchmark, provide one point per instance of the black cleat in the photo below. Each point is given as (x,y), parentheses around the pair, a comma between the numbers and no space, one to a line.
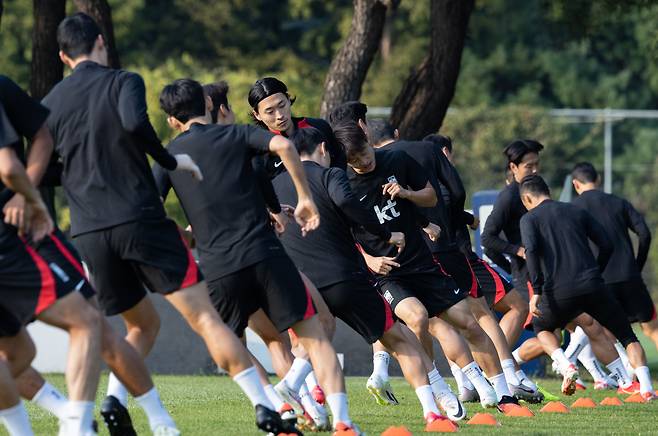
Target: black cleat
(116,417)
(270,422)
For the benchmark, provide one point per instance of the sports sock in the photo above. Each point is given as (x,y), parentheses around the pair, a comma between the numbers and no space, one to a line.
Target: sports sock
(16,420)
(155,411)
(576,344)
(499,383)
(618,373)
(588,359)
(643,376)
(78,417)
(624,358)
(274,398)
(311,381)
(525,380)
(338,405)
(517,356)
(50,399)
(462,381)
(307,400)
(117,390)
(560,358)
(510,372)
(474,374)
(380,361)
(297,373)
(437,382)
(427,401)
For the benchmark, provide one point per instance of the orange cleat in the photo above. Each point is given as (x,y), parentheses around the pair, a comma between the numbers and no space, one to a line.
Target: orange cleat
(580,386)
(635,398)
(584,403)
(649,396)
(555,407)
(633,388)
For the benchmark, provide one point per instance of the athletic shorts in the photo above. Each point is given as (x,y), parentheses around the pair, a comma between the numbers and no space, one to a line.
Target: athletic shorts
(123,259)
(634,299)
(494,286)
(360,306)
(273,285)
(600,304)
(436,291)
(456,265)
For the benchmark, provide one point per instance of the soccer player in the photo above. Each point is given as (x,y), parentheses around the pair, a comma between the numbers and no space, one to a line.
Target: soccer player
(246,265)
(567,281)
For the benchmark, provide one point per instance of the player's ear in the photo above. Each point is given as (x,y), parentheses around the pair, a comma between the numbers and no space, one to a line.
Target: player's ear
(65,59)
(396,134)
(208,104)
(174,123)
(323,148)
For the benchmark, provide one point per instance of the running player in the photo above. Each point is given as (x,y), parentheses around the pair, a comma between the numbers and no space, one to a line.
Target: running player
(567,281)
(246,264)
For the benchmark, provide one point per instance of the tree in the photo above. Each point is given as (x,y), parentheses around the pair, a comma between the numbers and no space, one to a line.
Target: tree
(100,11)
(0,11)
(46,68)
(350,66)
(420,107)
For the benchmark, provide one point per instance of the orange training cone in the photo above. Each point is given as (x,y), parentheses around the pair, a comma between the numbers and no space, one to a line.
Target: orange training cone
(611,401)
(520,412)
(397,431)
(583,403)
(555,407)
(483,419)
(441,426)
(635,398)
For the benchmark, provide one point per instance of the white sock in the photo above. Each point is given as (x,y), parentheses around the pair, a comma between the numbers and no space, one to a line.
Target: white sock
(295,376)
(16,420)
(338,405)
(274,398)
(499,383)
(517,356)
(462,381)
(78,417)
(426,398)
(624,358)
(380,361)
(307,400)
(525,380)
(510,372)
(474,374)
(437,382)
(155,411)
(50,399)
(117,390)
(560,358)
(618,372)
(311,381)
(588,359)
(643,376)
(576,344)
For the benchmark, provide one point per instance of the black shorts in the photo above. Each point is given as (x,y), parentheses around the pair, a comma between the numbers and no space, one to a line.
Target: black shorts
(273,285)
(456,265)
(436,291)
(494,286)
(600,304)
(123,259)
(634,299)
(360,306)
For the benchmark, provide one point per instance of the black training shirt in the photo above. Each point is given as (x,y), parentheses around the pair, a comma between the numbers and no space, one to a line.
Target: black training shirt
(397,215)
(226,210)
(617,216)
(102,132)
(328,255)
(556,240)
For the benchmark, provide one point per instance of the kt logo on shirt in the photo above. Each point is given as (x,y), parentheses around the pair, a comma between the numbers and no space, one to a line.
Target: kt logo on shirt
(382,214)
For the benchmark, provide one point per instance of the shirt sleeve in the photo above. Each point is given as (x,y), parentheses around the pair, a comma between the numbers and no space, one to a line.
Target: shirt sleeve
(638,225)
(341,194)
(135,120)
(162,181)
(269,194)
(25,114)
(467,218)
(596,233)
(258,139)
(491,233)
(530,240)
(8,135)
(416,175)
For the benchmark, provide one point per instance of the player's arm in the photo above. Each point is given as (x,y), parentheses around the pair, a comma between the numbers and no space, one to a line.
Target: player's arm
(530,238)
(162,181)
(491,239)
(449,177)
(638,225)
(596,233)
(269,194)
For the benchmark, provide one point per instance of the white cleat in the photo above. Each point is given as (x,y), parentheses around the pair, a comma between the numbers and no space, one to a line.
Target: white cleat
(290,397)
(320,417)
(489,400)
(163,430)
(451,405)
(468,395)
(381,390)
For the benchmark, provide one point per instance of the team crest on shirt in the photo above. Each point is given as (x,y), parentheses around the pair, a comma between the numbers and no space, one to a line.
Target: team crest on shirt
(392,179)
(388,297)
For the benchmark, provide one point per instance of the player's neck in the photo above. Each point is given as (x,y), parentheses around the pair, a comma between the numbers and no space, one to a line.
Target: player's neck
(205,119)
(587,187)
(92,57)
(384,143)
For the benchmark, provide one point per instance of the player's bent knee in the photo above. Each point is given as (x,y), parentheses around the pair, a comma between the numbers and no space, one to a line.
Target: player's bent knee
(417,320)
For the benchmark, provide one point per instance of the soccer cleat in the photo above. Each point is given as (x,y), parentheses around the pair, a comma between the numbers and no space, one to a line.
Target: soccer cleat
(547,395)
(318,395)
(507,403)
(451,406)
(489,400)
(525,393)
(290,397)
(580,385)
(570,375)
(649,396)
(288,414)
(381,390)
(602,385)
(468,395)
(163,430)
(270,422)
(116,417)
(342,429)
(319,419)
(632,388)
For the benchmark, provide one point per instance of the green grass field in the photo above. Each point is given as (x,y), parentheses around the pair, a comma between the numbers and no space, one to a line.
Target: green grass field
(213,405)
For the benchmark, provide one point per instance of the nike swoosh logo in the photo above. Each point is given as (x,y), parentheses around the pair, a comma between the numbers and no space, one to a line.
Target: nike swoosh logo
(456,291)
(278,164)
(363,198)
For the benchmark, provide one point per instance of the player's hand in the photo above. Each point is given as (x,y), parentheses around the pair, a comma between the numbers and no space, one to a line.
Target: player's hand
(15,212)
(381,265)
(534,302)
(288,210)
(307,215)
(394,190)
(39,223)
(279,221)
(397,239)
(521,252)
(433,231)
(185,163)
(475,224)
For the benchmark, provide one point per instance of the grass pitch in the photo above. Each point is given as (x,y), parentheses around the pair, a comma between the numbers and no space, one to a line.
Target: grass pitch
(214,405)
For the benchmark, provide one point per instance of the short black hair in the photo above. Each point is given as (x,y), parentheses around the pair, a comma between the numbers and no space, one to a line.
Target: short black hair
(585,172)
(306,140)
(218,93)
(440,140)
(265,87)
(183,99)
(534,185)
(380,131)
(351,137)
(77,34)
(349,111)
(516,150)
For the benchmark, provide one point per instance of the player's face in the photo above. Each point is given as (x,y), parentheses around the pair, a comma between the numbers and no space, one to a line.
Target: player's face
(364,162)
(274,112)
(529,165)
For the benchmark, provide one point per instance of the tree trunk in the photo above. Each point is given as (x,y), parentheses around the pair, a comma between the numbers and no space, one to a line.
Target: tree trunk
(350,66)
(420,107)
(100,11)
(1,12)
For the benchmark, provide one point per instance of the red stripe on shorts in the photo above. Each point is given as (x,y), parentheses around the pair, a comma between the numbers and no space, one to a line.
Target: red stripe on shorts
(653,317)
(388,314)
(192,273)
(474,282)
(47,294)
(68,255)
(310,310)
(500,288)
